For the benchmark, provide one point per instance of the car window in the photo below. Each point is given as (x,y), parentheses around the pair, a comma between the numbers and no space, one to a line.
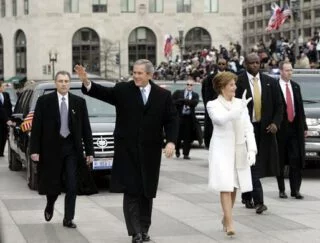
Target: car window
(310,86)
(13,95)
(96,108)
(20,102)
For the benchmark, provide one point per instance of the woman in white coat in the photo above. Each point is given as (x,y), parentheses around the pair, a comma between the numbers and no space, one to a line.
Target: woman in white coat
(232,148)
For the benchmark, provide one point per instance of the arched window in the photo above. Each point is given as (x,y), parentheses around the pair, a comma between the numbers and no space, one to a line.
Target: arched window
(1,58)
(86,50)
(142,44)
(21,53)
(197,39)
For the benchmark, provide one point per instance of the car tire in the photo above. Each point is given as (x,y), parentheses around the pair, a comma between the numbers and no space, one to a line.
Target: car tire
(32,174)
(14,163)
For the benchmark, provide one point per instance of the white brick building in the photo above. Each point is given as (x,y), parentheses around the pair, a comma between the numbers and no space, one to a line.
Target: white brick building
(78,30)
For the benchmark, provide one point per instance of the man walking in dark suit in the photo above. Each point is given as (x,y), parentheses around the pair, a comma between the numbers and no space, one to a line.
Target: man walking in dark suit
(186,100)
(143,110)
(292,133)
(208,93)
(266,114)
(5,114)
(60,125)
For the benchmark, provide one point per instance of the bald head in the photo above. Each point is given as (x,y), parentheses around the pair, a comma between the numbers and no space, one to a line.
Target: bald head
(252,62)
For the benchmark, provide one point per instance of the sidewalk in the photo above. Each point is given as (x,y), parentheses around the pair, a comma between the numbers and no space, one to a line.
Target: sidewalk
(184,211)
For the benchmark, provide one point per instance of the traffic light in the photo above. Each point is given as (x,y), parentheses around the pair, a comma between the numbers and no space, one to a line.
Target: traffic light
(118,59)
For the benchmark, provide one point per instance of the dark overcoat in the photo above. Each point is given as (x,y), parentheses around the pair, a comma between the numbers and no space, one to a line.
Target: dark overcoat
(179,101)
(138,133)
(45,138)
(300,124)
(271,112)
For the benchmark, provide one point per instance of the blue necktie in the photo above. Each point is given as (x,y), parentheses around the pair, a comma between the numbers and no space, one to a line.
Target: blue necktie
(64,129)
(144,96)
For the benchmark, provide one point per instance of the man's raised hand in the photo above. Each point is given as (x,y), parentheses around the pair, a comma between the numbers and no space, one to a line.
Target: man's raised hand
(82,74)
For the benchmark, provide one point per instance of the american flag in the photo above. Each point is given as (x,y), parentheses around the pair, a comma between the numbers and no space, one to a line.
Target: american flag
(279,16)
(168,46)
(27,122)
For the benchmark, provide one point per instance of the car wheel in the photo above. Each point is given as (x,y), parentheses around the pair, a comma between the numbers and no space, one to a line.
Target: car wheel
(32,173)
(14,162)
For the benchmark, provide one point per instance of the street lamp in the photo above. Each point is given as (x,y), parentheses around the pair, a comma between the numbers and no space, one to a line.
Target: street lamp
(181,43)
(53,57)
(295,6)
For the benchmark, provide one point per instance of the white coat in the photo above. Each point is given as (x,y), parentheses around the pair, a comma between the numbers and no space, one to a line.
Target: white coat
(232,125)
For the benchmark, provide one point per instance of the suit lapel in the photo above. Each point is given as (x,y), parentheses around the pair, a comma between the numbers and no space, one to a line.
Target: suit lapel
(55,108)
(150,98)
(71,111)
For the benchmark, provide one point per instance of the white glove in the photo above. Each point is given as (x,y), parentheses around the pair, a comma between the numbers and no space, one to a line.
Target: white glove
(251,157)
(244,100)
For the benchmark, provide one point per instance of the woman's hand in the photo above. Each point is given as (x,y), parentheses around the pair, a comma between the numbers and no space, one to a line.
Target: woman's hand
(245,101)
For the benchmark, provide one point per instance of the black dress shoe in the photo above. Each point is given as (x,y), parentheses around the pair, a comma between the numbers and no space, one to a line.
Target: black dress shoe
(69,224)
(48,212)
(283,195)
(145,237)
(137,238)
(248,204)
(297,195)
(177,155)
(186,157)
(260,208)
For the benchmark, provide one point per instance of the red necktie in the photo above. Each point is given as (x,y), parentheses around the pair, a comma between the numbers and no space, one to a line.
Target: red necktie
(289,104)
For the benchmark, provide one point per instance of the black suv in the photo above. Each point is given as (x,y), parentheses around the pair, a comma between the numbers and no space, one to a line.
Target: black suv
(102,119)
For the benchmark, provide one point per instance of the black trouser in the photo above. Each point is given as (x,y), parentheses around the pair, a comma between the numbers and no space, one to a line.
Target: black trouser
(3,136)
(257,191)
(137,212)
(69,158)
(208,129)
(185,134)
(292,158)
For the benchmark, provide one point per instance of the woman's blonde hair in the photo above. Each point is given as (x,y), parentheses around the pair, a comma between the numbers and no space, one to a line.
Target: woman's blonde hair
(222,79)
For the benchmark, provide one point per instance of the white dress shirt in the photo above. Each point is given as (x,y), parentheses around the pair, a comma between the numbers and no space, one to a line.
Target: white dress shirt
(147,90)
(250,77)
(283,88)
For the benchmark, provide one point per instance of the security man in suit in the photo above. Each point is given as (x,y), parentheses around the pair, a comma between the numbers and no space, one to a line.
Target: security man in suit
(5,114)
(186,100)
(60,128)
(266,113)
(143,110)
(208,93)
(292,133)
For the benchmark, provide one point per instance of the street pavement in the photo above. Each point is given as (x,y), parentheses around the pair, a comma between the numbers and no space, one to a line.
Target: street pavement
(184,211)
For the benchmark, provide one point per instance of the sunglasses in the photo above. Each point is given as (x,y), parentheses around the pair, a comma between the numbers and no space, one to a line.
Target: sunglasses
(189,84)
(220,63)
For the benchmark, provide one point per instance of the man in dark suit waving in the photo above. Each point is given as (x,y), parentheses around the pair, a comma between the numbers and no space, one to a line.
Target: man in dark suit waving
(60,125)
(143,110)
(292,132)
(266,114)
(5,114)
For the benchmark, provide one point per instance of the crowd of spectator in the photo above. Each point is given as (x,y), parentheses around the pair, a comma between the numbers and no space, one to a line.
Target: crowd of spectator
(198,64)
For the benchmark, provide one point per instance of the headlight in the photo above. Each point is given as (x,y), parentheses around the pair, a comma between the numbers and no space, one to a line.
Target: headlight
(313,121)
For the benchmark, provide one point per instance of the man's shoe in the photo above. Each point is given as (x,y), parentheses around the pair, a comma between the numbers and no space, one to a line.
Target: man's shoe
(69,224)
(137,238)
(248,204)
(260,208)
(297,195)
(177,155)
(48,212)
(145,237)
(1,155)
(283,195)
(186,157)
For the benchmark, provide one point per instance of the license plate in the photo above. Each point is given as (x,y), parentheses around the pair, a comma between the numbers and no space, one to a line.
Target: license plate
(102,164)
